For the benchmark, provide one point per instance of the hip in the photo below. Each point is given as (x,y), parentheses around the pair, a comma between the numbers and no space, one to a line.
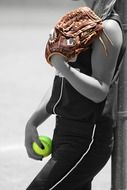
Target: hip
(74,138)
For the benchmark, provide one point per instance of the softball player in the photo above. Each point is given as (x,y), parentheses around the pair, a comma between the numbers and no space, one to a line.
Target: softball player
(81,147)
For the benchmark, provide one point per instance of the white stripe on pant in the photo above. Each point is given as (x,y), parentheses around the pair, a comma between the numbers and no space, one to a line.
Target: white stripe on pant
(92,140)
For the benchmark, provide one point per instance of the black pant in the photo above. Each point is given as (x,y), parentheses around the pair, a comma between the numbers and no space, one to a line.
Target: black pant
(80,151)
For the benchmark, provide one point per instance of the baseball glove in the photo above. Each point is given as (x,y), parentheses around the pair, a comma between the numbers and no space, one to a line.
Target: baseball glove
(73,33)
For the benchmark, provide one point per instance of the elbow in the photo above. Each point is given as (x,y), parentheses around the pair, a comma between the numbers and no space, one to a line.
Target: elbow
(100,95)
(101,92)
(100,98)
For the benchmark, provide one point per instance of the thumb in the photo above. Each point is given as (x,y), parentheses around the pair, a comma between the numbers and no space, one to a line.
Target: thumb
(73,59)
(39,143)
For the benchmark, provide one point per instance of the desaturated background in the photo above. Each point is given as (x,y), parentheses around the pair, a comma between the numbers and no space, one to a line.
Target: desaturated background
(24,78)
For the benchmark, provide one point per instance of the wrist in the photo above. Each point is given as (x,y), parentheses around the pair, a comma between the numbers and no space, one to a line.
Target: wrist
(60,64)
(32,123)
(66,71)
(56,58)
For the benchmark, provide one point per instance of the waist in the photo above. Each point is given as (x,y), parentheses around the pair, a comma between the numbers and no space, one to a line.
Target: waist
(67,102)
(81,134)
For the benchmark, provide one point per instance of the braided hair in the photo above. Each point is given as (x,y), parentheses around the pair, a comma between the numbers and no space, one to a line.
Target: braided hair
(103,8)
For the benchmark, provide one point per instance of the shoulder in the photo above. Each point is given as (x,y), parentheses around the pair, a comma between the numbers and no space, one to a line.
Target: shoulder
(111,25)
(103,62)
(113,30)
(112,37)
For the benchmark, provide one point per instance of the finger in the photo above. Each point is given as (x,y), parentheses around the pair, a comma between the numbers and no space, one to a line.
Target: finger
(31,152)
(33,155)
(37,140)
(39,143)
(73,59)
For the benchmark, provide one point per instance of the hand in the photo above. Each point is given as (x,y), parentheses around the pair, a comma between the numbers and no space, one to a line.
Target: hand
(73,59)
(31,135)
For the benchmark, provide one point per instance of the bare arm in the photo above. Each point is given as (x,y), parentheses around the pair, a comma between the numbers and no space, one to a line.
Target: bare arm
(95,87)
(31,133)
(41,114)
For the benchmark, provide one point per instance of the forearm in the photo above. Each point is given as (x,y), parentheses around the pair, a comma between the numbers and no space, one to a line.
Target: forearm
(86,85)
(40,114)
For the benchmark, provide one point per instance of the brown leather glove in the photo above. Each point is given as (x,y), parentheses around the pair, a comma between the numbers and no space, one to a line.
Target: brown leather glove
(73,33)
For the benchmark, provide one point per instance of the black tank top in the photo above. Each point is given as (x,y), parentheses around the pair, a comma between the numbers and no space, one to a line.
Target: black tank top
(66,101)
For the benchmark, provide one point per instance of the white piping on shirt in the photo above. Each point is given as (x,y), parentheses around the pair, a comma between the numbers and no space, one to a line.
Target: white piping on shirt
(92,140)
(61,92)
